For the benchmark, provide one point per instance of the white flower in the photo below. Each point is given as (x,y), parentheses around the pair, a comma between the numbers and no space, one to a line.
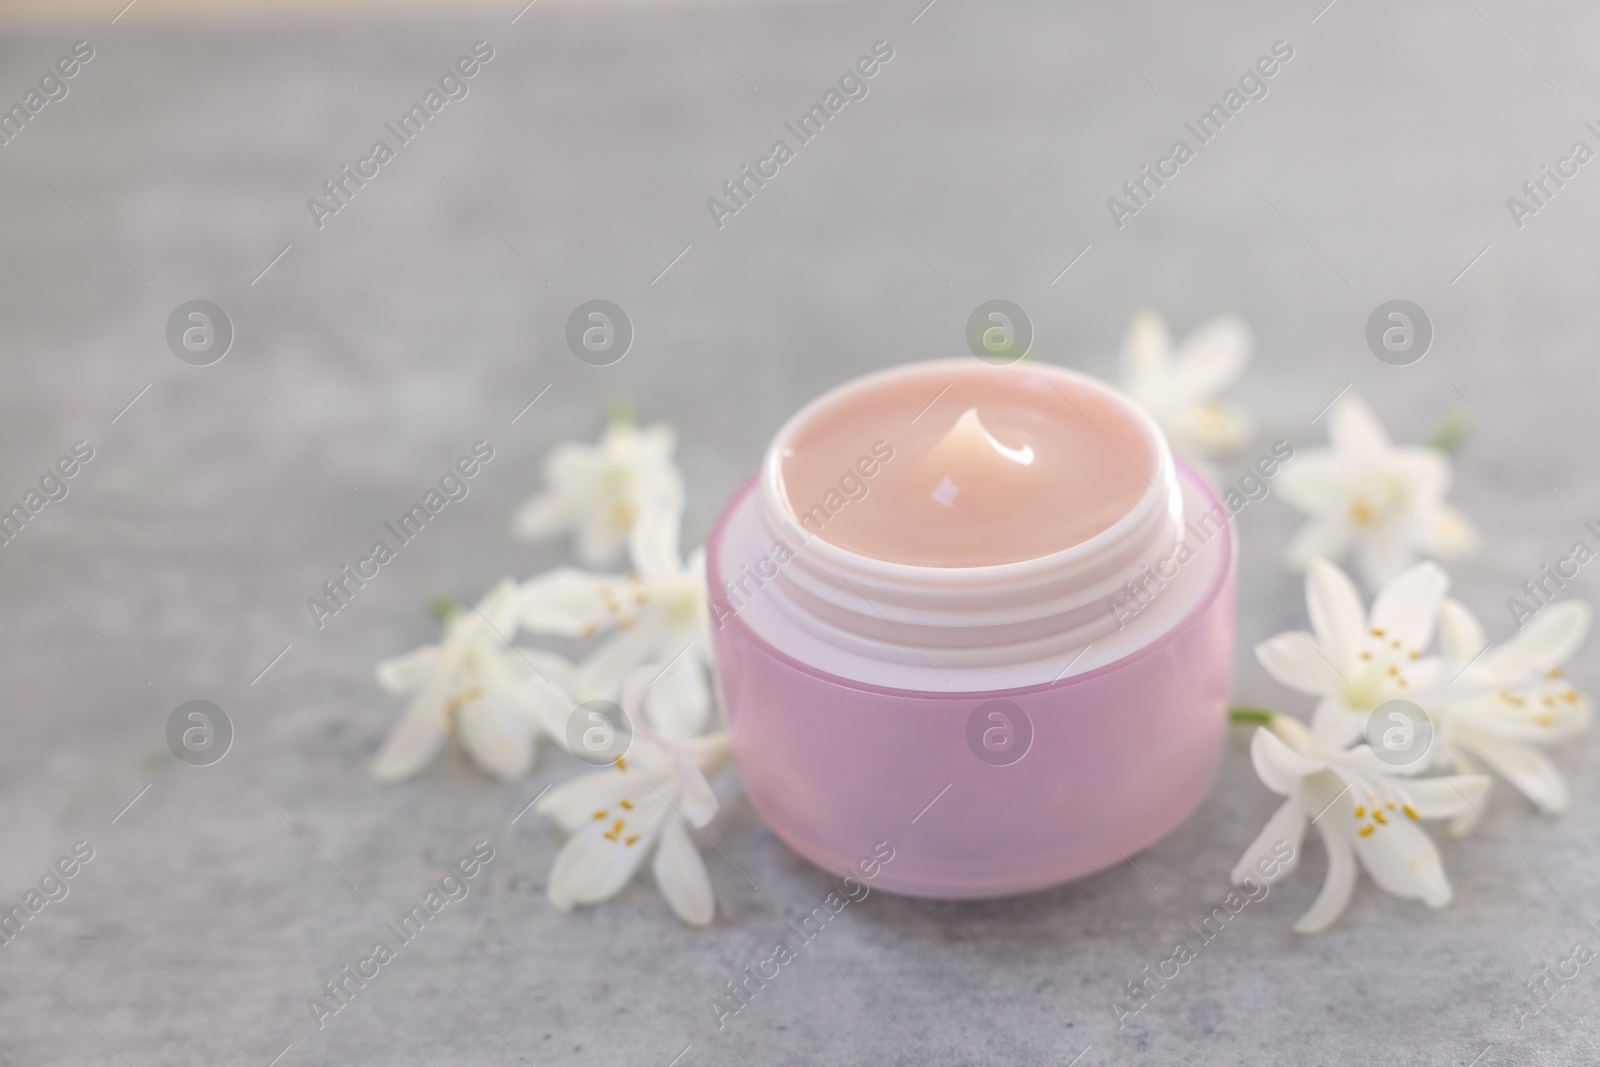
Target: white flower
(659,615)
(1355,663)
(646,799)
(1385,503)
(1506,699)
(1361,810)
(599,491)
(1180,388)
(475,685)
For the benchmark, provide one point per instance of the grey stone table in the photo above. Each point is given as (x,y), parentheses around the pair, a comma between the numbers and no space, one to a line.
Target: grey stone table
(430,309)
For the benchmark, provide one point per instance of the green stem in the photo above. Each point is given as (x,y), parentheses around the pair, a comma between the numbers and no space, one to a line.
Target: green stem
(1453,431)
(1259,716)
(619,412)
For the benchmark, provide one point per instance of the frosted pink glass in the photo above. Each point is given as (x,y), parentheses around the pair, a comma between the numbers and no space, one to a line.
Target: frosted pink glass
(1120,755)
(986,465)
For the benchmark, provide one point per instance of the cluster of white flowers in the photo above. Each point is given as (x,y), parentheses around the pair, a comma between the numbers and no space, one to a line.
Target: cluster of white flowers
(1367,497)
(652,659)
(1482,709)
(1486,708)
(1179,387)
(1479,708)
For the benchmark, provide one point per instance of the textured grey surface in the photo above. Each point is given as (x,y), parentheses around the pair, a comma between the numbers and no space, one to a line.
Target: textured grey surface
(408,328)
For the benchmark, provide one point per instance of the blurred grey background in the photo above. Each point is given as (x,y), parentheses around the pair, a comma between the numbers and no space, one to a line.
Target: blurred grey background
(427,313)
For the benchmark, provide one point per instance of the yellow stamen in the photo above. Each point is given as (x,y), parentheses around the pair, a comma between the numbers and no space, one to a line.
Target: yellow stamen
(629,842)
(627,804)
(1409,810)
(1365,830)
(457,702)
(601,814)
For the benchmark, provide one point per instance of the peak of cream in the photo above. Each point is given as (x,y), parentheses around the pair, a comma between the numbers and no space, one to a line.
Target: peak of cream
(991,465)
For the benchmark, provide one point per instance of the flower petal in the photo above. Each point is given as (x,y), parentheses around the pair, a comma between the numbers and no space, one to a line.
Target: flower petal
(681,875)
(653,544)
(600,677)
(1337,886)
(1461,636)
(696,801)
(1335,725)
(1355,432)
(1406,608)
(1286,827)
(1317,482)
(1424,471)
(1212,357)
(1547,640)
(496,736)
(1404,862)
(569,602)
(499,608)
(1337,614)
(557,670)
(677,702)
(1328,538)
(1213,426)
(1280,767)
(1527,769)
(705,754)
(402,674)
(1295,660)
(1447,533)
(591,867)
(1443,798)
(415,742)
(1468,820)
(548,706)
(1145,350)
(543,516)
(573,804)
(1382,554)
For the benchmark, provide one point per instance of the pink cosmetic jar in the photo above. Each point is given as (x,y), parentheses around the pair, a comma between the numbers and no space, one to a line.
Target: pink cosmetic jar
(1004,726)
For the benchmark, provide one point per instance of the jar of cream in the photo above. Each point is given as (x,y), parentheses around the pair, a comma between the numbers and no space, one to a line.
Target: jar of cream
(980,613)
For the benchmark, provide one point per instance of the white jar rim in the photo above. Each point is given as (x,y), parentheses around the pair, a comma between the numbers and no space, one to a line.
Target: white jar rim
(974,616)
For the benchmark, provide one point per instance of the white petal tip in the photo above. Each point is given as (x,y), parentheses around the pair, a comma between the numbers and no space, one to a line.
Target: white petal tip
(390,774)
